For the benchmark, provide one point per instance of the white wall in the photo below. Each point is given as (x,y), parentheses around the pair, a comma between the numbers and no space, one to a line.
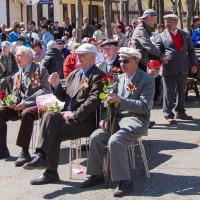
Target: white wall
(15,12)
(3,13)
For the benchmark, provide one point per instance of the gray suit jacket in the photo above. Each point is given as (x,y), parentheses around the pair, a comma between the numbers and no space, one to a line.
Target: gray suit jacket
(26,90)
(179,62)
(141,41)
(135,106)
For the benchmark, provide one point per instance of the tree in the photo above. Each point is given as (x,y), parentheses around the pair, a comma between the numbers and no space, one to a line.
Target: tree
(107,18)
(190,12)
(139,2)
(180,13)
(79,19)
(121,10)
(150,4)
(161,11)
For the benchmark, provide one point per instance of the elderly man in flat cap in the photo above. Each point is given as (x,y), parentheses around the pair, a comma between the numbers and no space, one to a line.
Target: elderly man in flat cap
(77,119)
(133,100)
(111,63)
(177,46)
(141,39)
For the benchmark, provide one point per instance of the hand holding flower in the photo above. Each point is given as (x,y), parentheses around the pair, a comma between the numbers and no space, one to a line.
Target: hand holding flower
(20,106)
(113,99)
(68,115)
(103,124)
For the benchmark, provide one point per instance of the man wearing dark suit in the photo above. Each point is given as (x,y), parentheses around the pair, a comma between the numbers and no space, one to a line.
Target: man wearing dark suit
(132,119)
(29,82)
(78,117)
(177,46)
(57,31)
(67,28)
(110,49)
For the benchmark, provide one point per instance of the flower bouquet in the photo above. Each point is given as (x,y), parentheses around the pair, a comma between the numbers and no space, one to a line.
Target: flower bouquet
(108,88)
(49,108)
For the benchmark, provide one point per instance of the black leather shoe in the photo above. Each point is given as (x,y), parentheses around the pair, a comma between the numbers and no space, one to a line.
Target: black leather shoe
(151,124)
(123,188)
(23,158)
(183,116)
(45,178)
(38,162)
(92,181)
(4,153)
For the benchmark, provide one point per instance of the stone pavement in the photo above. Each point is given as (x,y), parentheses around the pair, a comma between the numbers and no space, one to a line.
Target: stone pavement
(173,155)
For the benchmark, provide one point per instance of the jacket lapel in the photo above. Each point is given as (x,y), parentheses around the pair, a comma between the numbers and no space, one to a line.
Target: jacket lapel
(135,80)
(169,38)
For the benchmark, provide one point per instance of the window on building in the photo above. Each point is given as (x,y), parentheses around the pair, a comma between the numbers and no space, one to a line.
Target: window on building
(65,10)
(39,12)
(50,13)
(94,13)
(73,14)
(29,13)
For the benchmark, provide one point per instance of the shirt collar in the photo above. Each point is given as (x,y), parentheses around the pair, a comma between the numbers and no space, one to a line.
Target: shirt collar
(87,69)
(27,67)
(111,62)
(129,79)
(174,32)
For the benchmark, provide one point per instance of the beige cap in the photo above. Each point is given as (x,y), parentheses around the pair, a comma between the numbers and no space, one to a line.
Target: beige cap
(129,52)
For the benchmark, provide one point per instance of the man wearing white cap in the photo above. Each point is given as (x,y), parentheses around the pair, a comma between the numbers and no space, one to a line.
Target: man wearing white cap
(132,100)
(177,46)
(77,118)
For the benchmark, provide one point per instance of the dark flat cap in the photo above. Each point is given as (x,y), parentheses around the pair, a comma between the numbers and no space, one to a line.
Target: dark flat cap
(43,18)
(59,41)
(109,42)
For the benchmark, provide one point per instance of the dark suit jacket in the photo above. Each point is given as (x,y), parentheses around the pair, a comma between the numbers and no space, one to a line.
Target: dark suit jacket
(103,66)
(57,32)
(178,62)
(85,100)
(26,90)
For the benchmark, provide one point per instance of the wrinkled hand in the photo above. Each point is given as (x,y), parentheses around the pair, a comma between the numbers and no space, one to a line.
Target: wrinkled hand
(194,69)
(2,67)
(68,115)
(113,98)
(54,79)
(20,106)
(164,60)
(103,124)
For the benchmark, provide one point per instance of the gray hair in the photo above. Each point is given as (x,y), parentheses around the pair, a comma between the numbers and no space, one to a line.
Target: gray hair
(6,44)
(26,50)
(51,45)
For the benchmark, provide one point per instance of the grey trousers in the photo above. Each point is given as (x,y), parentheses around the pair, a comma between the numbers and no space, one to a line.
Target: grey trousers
(118,146)
(174,86)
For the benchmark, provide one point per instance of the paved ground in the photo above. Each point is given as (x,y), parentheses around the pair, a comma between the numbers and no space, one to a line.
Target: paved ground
(173,155)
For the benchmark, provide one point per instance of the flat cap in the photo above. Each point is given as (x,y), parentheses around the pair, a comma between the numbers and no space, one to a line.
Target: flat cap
(59,41)
(172,16)
(148,13)
(109,42)
(129,52)
(21,37)
(6,44)
(86,48)
(43,18)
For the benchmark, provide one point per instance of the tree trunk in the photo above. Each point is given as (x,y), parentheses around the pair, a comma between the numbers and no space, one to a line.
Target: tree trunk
(79,19)
(189,14)
(121,12)
(140,7)
(180,13)
(107,18)
(174,4)
(161,11)
(150,4)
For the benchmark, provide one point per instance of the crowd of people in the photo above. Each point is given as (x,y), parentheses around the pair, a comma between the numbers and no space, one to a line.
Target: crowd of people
(142,63)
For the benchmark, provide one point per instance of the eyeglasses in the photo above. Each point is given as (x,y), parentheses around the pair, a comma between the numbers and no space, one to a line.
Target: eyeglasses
(125,61)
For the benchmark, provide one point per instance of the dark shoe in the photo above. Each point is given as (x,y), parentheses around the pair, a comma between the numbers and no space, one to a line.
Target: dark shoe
(151,124)
(92,181)
(4,153)
(38,162)
(123,188)
(45,178)
(171,120)
(23,158)
(183,116)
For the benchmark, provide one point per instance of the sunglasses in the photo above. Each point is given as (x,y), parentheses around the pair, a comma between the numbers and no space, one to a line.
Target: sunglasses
(125,61)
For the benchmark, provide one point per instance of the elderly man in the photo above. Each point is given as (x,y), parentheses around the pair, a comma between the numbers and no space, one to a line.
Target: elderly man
(30,81)
(141,39)
(110,49)
(177,46)
(78,117)
(132,99)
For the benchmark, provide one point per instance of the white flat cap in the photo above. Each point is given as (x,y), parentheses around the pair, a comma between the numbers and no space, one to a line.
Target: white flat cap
(51,45)
(172,16)
(86,48)
(129,52)
(6,44)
